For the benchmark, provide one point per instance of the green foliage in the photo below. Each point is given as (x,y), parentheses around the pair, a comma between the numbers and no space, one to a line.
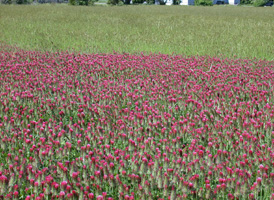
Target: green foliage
(150,2)
(81,2)
(203,3)
(120,3)
(21,1)
(72,2)
(162,2)
(126,1)
(245,2)
(259,3)
(114,2)
(137,1)
(176,2)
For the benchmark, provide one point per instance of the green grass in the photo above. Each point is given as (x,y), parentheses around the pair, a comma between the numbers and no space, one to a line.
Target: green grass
(218,30)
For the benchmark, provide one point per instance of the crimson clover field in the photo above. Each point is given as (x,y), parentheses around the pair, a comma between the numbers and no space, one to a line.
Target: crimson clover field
(121,126)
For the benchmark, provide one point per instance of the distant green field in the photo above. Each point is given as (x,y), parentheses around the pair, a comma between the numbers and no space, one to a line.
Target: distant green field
(219,30)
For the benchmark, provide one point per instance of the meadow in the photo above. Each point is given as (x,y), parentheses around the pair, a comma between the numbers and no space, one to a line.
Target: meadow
(122,126)
(228,31)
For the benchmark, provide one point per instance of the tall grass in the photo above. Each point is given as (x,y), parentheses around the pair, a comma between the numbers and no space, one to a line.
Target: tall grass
(218,30)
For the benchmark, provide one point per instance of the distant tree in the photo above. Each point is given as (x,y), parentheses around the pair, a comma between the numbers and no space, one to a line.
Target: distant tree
(81,2)
(245,2)
(203,3)
(258,3)
(137,1)
(114,2)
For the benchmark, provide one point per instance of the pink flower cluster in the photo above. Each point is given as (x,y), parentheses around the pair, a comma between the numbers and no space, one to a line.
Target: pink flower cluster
(112,126)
